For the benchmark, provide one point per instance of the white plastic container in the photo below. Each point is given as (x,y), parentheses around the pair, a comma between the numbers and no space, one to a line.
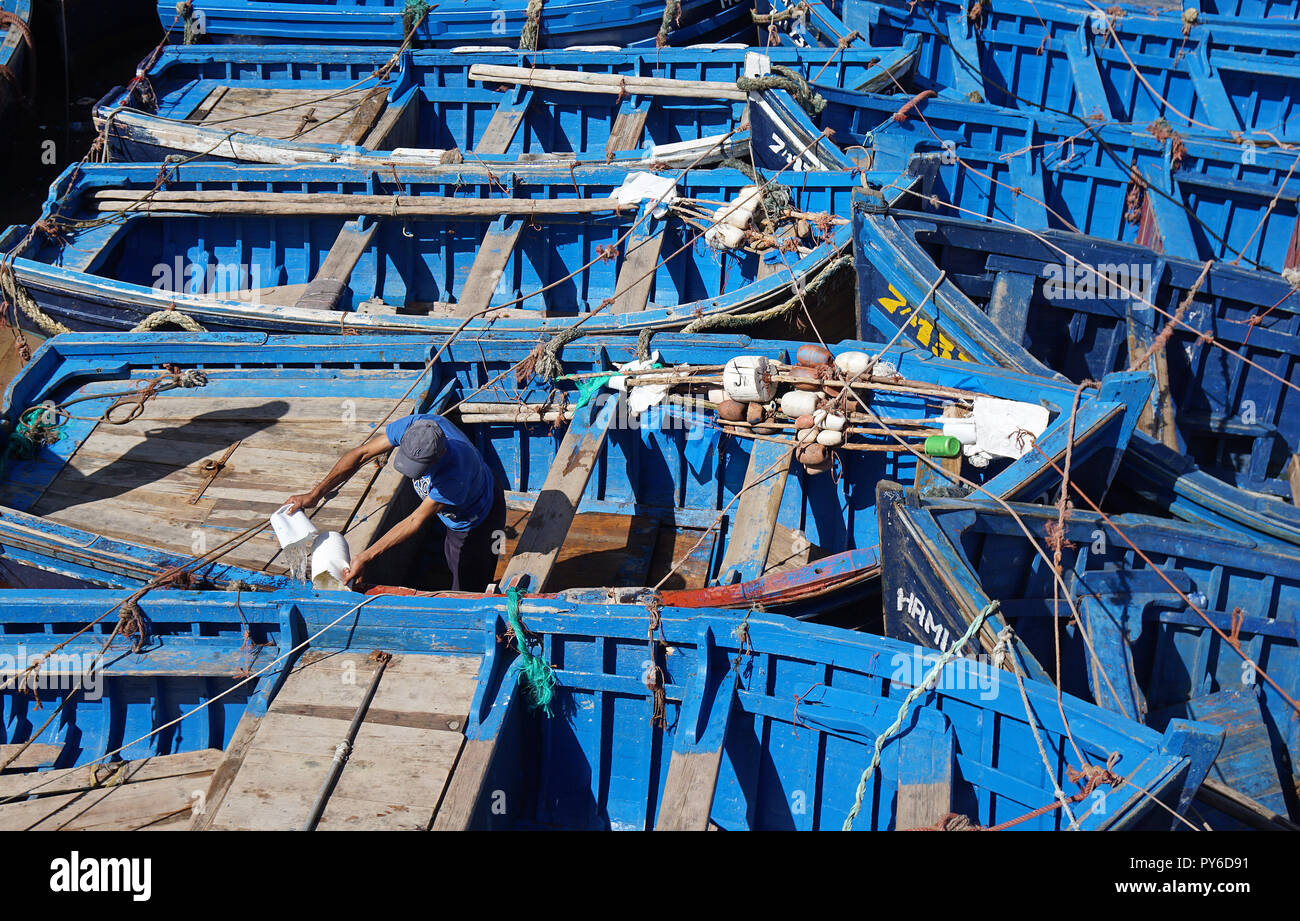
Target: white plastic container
(748,379)
(291,530)
(329,558)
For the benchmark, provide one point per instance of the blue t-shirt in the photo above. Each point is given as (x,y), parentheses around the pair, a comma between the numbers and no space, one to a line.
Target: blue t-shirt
(461,480)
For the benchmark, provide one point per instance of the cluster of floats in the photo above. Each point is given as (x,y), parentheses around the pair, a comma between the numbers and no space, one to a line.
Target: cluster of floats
(988,520)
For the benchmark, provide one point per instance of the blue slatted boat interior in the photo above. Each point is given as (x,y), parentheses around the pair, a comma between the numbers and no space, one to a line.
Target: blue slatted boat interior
(1159,604)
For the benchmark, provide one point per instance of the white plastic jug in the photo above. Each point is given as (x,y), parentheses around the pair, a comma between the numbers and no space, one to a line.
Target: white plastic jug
(329,557)
(291,529)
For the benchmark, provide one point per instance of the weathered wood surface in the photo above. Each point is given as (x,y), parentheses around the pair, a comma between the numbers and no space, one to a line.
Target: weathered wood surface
(615,84)
(636,277)
(326,290)
(133,481)
(234,201)
(688,791)
(925,779)
(399,764)
(557,504)
(750,538)
(320,116)
(489,265)
(159,793)
(38,754)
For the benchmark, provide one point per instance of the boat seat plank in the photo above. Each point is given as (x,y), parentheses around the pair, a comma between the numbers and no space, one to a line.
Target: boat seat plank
(1246,762)
(504,124)
(925,778)
(636,276)
(540,544)
(688,791)
(629,126)
(329,286)
(400,761)
(754,525)
(1009,304)
(73,780)
(489,265)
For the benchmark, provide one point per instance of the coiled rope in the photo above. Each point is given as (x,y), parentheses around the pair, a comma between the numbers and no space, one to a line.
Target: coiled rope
(790,80)
(18,294)
(162,319)
(916,692)
(532,26)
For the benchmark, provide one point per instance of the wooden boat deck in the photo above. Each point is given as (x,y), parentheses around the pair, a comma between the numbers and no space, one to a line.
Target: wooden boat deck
(319,115)
(403,756)
(147,480)
(152,794)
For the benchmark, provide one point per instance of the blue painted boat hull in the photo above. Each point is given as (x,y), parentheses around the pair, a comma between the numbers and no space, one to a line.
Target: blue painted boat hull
(794,719)
(1236,422)
(459,22)
(681,476)
(1159,600)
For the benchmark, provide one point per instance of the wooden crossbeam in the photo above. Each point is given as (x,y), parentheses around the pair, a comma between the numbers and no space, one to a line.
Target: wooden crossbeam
(489,265)
(391,206)
(326,289)
(614,84)
(750,537)
(556,505)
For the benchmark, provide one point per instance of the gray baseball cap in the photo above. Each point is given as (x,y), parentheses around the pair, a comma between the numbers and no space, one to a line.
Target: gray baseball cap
(423,445)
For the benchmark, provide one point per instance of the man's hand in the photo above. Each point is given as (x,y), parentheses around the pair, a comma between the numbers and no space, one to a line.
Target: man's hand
(353,572)
(302,501)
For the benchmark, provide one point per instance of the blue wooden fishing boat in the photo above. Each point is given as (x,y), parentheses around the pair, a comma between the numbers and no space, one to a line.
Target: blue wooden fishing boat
(158,458)
(317,248)
(1152,618)
(1230,81)
(361,106)
(508,24)
(1189,196)
(1062,302)
(16,52)
(754,723)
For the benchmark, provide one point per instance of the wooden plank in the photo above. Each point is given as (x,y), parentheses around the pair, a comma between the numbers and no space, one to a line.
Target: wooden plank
(225,772)
(1157,363)
(1009,303)
(489,265)
(37,755)
(366,115)
(754,524)
(1293,477)
(72,780)
(390,206)
(126,807)
(328,286)
(636,277)
(688,791)
(456,812)
(505,122)
(925,779)
(208,104)
(1246,762)
(540,544)
(629,126)
(613,84)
